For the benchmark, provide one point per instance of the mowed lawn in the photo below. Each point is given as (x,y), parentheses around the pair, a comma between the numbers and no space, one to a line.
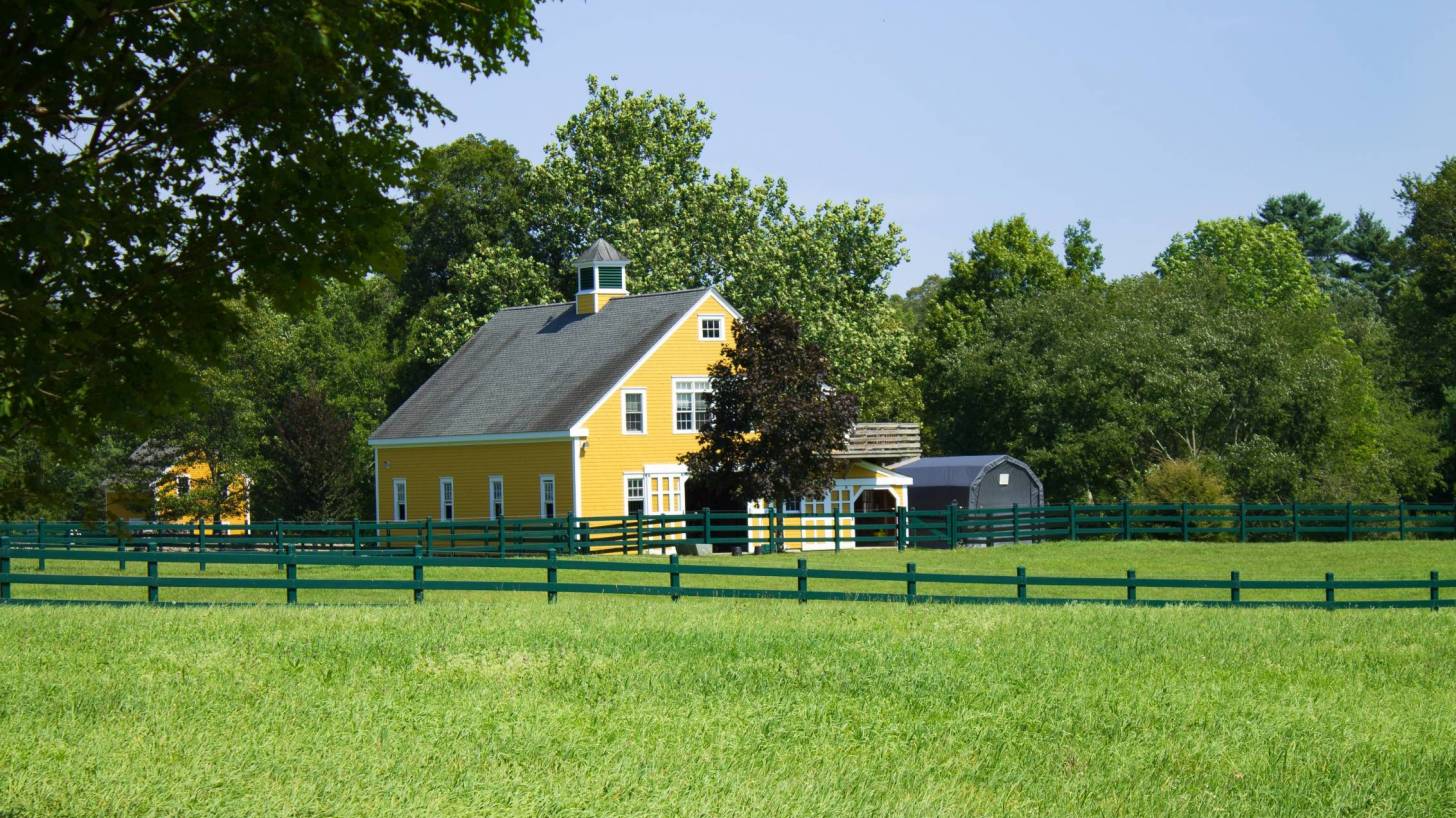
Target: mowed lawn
(500,704)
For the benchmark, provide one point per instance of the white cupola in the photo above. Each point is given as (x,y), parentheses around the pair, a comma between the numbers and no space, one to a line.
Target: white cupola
(601,275)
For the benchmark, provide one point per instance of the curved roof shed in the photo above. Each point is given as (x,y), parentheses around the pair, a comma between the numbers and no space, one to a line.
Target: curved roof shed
(972,481)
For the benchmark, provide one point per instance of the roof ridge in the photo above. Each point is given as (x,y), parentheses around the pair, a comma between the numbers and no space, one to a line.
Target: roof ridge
(618,298)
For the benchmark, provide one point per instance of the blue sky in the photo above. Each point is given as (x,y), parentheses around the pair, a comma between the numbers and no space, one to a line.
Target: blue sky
(1143,117)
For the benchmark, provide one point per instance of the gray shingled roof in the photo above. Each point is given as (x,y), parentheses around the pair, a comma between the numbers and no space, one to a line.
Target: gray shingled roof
(600,250)
(536,369)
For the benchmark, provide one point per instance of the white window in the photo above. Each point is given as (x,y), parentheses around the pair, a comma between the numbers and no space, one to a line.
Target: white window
(497,496)
(690,403)
(401,508)
(634,411)
(636,494)
(710,327)
(447,498)
(184,485)
(548,495)
(793,506)
(1004,478)
(665,493)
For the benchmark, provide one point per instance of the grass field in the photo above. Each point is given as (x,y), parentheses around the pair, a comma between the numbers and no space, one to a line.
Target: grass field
(500,704)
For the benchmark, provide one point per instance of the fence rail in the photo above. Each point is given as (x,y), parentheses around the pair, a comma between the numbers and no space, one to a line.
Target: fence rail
(773,530)
(918,587)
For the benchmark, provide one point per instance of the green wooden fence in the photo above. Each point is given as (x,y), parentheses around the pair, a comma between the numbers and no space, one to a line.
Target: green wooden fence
(665,578)
(772,530)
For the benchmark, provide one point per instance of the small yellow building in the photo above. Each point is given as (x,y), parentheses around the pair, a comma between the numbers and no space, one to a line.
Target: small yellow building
(160,479)
(580,407)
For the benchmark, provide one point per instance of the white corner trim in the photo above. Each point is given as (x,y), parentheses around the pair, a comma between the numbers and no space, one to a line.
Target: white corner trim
(652,350)
(576,444)
(376,490)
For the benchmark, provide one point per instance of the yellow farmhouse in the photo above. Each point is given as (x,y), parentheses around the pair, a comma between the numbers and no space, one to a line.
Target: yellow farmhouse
(168,475)
(580,407)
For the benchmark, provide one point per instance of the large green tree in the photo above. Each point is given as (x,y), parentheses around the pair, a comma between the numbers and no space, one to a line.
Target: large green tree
(1263,264)
(161,161)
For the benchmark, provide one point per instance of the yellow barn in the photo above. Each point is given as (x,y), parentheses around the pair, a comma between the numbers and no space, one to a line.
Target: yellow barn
(166,475)
(579,407)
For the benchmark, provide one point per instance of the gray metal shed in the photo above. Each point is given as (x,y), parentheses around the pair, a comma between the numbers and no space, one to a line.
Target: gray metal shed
(971,481)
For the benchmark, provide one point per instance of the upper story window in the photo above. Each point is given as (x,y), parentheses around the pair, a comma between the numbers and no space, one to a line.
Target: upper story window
(690,403)
(710,327)
(184,485)
(634,411)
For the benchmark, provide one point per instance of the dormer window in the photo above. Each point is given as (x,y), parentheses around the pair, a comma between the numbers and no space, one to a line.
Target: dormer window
(710,327)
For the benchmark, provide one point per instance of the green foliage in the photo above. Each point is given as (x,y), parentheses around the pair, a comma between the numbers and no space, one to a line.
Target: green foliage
(1082,253)
(1181,481)
(1263,264)
(774,424)
(164,160)
(314,472)
(1320,234)
(461,195)
(1092,387)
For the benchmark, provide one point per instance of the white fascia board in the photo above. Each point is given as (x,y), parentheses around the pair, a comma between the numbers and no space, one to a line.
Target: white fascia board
(448,440)
(576,428)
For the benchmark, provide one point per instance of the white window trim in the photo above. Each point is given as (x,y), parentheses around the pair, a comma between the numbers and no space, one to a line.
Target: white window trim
(627,477)
(495,480)
(722,326)
(394,503)
(541,482)
(676,381)
(447,481)
(634,391)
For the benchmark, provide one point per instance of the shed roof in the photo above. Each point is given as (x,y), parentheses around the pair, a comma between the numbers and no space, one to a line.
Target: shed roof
(960,470)
(536,369)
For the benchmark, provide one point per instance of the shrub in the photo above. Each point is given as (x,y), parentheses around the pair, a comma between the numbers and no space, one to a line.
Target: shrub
(1182,481)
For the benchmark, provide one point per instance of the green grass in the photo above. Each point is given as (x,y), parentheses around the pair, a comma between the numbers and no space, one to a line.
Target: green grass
(602,706)
(1381,559)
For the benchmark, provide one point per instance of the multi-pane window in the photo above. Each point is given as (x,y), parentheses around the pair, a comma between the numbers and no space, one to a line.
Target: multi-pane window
(636,495)
(690,403)
(634,412)
(548,495)
(184,485)
(793,506)
(710,327)
(447,498)
(401,508)
(497,496)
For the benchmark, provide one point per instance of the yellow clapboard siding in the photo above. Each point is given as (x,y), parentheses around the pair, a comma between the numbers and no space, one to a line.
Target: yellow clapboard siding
(610,453)
(471,466)
(137,504)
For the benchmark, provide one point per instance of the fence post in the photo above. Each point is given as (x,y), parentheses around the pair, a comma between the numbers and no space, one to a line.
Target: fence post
(1329,589)
(803,569)
(1126,520)
(5,571)
(638,516)
(1435,589)
(1296,521)
(278,541)
(1021,582)
(500,536)
(292,576)
(40,543)
(571,532)
(551,575)
(910,583)
(951,534)
(1349,521)
(121,553)
(419,573)
(429,536)
(1016,523)
(1131,585)
(201,546)
(676,578)
(834,510)
(1243,521)
(1185,521)
(1400,512)
(708,527)
(1072,520)
(152,572)
(354,531)
(1234,587)
(901,528)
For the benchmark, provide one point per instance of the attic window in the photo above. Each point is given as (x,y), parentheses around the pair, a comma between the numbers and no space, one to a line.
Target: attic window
(184,485)
(1003,479)
(710,327)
